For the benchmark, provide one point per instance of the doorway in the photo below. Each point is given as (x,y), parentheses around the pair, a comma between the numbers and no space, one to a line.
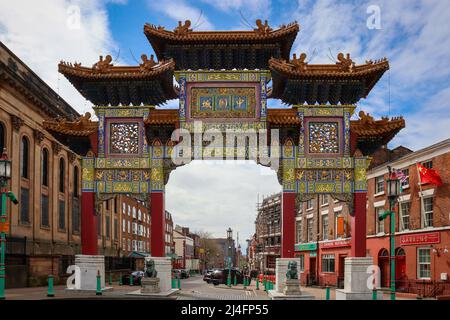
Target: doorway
(383,263)
(312,271)
(400,269)
(341,268)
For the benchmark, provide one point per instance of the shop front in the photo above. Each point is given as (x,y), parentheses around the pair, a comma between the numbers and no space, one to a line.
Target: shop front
(307,252)
(332,262)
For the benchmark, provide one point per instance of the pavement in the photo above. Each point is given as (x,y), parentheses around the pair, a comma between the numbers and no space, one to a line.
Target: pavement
(193,288)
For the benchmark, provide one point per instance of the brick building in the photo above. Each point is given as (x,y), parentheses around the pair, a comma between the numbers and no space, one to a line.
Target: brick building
(135,226)
(268,233)
(169,242)
(422,235)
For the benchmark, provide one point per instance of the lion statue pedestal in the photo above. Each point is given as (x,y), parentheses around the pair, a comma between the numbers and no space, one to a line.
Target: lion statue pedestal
(150,283)
(287,285)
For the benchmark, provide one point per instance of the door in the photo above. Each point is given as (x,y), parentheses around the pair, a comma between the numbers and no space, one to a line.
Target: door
(400,269)
(341,268)
(383,263)
(312,271)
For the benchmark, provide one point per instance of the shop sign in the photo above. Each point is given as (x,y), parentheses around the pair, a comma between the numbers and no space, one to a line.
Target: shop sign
(335,244)
(423,238)
(306,247)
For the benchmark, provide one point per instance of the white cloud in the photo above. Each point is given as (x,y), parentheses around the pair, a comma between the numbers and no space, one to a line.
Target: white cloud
(250,9)
(180,10)
(40,33)
(211,196)
(414,36)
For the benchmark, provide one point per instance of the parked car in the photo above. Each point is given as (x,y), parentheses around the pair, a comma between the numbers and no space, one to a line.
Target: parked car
(137,277)
(220,276)
(207,275)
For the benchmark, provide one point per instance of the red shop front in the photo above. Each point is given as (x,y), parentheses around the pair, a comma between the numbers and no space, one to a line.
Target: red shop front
(332,256)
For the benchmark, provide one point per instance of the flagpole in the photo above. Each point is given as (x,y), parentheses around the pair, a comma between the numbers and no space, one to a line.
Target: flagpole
(422,205)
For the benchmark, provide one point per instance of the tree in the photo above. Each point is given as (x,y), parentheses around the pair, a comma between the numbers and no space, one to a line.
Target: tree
(211,251)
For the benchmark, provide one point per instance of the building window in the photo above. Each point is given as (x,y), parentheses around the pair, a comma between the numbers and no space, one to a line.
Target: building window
(129,227)
(405,208)
(75,215)
(379,224)
(301,267)
(124,226)
(24,205)
(324,200)
(309,224)
(44,212)
(428,164)
(423,263)
(328,263)
(428,212)
(123,208)
(62,215)
(44,167)
(62,175)
(309,204)
(107,205)
(2,137)
(339,224)
(379,184)
(325,227)
(24,157)
(129,210)
(299,231)
(76,176)
(107,226)
(115,205)
(134,212)
(405,183)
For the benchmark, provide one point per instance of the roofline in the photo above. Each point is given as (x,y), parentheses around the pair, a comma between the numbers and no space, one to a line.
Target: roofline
(51,92)
(421,155)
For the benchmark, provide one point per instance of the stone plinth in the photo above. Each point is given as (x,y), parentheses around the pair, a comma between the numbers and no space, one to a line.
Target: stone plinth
(356,279)
(163,266)
(292,287)
(89,267)
(280,272)
(150,285)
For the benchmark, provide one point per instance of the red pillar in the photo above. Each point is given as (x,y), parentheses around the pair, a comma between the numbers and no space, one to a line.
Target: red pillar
(288,224)
(88,224)
(359,226)
(158,222)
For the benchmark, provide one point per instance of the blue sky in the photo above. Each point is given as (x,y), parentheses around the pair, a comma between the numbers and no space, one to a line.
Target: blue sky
(414,36)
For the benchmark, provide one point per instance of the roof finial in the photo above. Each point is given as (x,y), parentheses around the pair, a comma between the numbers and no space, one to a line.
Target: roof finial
(346,63)
(183,29)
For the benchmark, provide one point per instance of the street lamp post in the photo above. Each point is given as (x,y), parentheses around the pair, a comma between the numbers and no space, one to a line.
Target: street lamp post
(5,175)
(229,238)
(393,192)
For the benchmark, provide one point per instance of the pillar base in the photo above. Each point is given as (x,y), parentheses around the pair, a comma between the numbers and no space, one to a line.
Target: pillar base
(89,267)
(356,280)
(163,266)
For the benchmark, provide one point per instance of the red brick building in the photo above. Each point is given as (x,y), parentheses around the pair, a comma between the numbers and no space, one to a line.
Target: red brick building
(135,226)
(169,242)
(422,238)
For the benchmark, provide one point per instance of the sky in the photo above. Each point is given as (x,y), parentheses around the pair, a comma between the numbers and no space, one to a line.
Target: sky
(413,34)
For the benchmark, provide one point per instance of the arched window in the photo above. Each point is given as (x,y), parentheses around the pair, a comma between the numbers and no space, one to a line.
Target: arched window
(75,182)
(44,167)
(400,252)
(383,253)
(2,137)
(61,175)
(24,157)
